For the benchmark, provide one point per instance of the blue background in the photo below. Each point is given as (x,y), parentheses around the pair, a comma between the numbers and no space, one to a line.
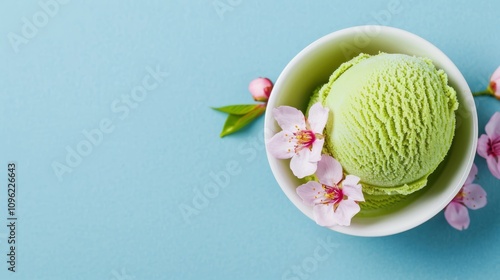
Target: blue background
(121,211)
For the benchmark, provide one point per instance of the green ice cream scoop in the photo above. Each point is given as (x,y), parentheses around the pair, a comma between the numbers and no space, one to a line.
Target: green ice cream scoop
(392,120)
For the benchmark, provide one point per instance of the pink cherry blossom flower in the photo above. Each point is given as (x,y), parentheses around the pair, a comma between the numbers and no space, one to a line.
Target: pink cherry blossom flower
(471,196)
(260,89)
(488,145)
(494,86)
(334,201)
(301,139)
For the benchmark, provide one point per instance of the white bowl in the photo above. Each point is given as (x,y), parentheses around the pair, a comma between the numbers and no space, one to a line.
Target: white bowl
(312,67)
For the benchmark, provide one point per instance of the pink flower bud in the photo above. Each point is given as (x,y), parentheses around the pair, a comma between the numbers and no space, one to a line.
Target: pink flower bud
(495,83)
(260,89)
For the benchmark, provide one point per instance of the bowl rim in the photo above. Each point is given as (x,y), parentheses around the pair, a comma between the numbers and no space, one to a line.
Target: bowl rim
(453,74)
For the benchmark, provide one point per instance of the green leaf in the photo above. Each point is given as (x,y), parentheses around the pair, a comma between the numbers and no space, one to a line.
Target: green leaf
(238,109)
(237,122)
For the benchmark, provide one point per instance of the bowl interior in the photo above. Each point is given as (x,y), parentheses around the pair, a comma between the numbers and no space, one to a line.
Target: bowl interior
(313,66)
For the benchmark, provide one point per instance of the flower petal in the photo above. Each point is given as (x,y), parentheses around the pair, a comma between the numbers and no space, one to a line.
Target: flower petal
(497,90)
(310,192)
(289,118)
(494,166)
(457,215)
(472,175)
(318,115)
(474,196)
(345,211)
(482,145)
(323,215)
(301,164)
(496,75)
(280,145)
(493,126)
(352,189)
(329,171)
(494,85)
(317,148)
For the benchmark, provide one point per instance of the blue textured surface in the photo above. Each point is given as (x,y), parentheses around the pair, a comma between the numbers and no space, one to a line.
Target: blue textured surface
(117,214)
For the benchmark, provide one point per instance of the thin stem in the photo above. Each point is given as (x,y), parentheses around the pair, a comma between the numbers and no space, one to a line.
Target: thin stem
(486,92)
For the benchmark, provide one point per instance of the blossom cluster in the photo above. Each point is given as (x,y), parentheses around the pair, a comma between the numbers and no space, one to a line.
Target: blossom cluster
(473,196)
(334,196)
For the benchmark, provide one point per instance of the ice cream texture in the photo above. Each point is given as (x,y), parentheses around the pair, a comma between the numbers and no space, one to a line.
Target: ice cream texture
(391,123)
